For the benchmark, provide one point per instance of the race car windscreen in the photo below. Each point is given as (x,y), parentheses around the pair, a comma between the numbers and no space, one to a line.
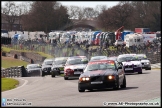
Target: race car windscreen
(59,62)
(77,61)
(128,58)
(100,66)
(98,58)
(142,57)
(33,66)
(48,62)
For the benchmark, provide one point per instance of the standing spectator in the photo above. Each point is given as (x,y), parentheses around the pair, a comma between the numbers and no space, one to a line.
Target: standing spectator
(107,44)
(21,46)
(72,51)
(73,38)
(90,53)
(133,47)
(104,45)
(101,44)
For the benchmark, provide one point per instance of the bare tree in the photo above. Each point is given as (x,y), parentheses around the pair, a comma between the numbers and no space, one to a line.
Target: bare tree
(76,12)
(72,11)
(147,15)
(9,13)
(89,12)
(45,16)
(99,9)
(116,16)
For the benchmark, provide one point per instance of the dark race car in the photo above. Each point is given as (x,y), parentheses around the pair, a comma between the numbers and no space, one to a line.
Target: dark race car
(46,67)
(102,74)
(58,66)
(33,70)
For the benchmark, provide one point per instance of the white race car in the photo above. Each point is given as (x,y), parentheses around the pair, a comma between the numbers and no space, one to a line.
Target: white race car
(75,66)
(146,64)
(131,63)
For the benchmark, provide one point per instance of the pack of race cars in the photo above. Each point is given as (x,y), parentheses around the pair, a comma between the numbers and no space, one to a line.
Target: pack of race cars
(96,73)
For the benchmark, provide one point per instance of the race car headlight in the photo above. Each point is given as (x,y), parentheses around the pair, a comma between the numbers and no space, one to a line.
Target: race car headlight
(87,79)
(111,77)
(84,79)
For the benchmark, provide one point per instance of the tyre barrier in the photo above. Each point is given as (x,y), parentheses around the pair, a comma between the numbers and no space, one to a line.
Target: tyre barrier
(3,54)
(18,71)
(15,56)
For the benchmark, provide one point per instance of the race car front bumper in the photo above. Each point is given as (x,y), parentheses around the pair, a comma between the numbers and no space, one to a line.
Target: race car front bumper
(97,84)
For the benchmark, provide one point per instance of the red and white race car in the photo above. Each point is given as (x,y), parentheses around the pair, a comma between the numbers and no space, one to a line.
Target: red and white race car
(75,66)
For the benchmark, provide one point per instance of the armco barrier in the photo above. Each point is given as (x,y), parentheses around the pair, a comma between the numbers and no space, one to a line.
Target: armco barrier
(18,71)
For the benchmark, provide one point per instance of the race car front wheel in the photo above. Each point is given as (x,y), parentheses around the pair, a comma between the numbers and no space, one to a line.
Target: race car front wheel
(53,75)
(140,72)
(43,74)
(148,68)
(116,87)
(81,90)
(65,78)
(124,83)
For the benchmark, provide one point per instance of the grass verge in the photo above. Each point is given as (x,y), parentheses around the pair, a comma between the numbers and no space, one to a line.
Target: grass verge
(7,50)
(8,84)
(7,63)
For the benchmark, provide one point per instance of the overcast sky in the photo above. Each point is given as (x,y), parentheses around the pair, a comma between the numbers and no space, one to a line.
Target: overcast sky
(92,4)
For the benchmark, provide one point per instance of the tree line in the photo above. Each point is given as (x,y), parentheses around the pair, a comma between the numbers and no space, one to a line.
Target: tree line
(52,15)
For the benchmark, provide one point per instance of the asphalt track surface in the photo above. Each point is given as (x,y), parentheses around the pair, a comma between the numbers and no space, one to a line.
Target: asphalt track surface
(47,91)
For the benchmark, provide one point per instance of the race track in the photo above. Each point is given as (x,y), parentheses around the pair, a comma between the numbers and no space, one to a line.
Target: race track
(49,91)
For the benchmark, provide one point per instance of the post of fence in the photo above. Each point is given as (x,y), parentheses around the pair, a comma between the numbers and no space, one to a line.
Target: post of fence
(157,52)
(10,71)
(15,72)
(2,73)
(6,73)
(20,71)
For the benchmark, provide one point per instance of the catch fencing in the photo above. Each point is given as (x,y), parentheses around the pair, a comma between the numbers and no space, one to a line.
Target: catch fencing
(57,49)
